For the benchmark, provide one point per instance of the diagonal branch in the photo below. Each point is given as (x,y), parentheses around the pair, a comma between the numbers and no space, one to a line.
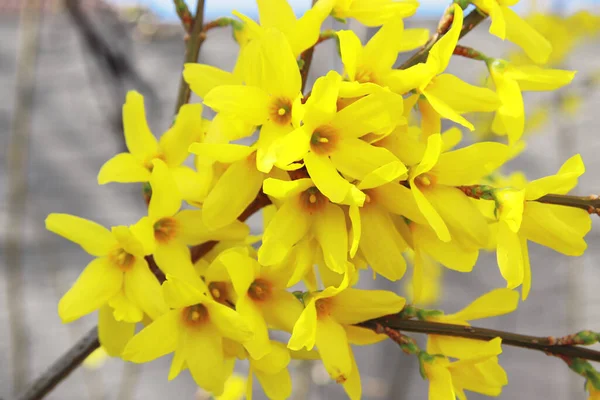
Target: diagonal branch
(548,345)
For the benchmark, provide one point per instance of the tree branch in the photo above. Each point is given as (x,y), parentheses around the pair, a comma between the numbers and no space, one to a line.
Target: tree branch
(472,19)
(192,50)
(548,345)
(590,203)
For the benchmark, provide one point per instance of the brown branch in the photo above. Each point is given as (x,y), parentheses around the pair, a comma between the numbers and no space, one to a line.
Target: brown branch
(472,19)
(62,367)
(590,203)
(184,15)
(548,345)
(192,50)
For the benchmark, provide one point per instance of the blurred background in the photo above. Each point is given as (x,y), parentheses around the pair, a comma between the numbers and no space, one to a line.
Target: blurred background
(65,67)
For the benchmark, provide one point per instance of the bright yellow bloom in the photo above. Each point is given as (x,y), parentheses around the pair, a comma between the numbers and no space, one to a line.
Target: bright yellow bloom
(268,100)
(234,389)
(506,24)
(374,62)
(374,12)
(521,218)
(261,298)
(304,210)
(425,285)
(510,80)
(323,322)
(194,329)
(448,95)
(432,183)
(119,276)
(172,148)
(301,33)
(174,230)
(96,359)
(329,140)
(594,393)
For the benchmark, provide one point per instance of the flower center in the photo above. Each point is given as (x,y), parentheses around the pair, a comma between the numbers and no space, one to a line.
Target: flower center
(165,229)
(323,140)
(218,291)
(312,200)
(323,306)
(425,180)
(122,259)
(364,75)
(195,315)
(281,111)
(260,290)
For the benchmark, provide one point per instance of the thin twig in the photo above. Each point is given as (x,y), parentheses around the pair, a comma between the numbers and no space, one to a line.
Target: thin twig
(62,367)
(548,345)
(590,203)
(192,50)
(184,14)
(473,19)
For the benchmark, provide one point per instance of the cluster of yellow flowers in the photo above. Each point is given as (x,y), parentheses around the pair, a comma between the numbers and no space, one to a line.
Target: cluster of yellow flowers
(358,175)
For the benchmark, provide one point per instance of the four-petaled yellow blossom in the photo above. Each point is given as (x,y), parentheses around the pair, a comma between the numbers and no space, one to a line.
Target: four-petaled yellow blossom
(448,95)
(510,80)
(521,219)
(194,329)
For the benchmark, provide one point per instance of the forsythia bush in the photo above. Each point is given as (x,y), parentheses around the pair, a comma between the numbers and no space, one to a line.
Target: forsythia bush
(355,173)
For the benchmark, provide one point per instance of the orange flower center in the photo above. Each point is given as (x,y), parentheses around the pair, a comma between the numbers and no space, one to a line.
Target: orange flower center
(165,229)
(281,111)
(323,307)
(323,140)
(425,180)
(219,292)
(311,200)
(148,164)
(195,315)
(122,259)
(260,290)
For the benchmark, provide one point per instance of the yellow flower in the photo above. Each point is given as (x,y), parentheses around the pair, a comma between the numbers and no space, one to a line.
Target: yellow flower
(304,210)
(324,320)
(594,393)
(261,298)
(228,198)
(448,95)
(329,140)
(235,387)
(301,33)
(174,230)
(194,329)
(374,62)
(119,275)
(510,80)
(506,24)
(96,359)
(425,285)
(172,148)
(521,219)
(432,184)
(268,99)
(374,12)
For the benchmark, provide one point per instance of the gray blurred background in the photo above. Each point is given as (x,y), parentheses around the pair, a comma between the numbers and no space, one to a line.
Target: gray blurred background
(60,121)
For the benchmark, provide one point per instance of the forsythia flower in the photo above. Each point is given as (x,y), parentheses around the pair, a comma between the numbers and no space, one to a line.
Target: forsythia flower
(521,219)
(194,330)
(506,24)
(510,80)
(448,95)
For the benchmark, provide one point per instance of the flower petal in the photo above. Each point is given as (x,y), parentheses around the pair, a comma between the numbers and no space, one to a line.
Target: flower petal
(351,51)
(112,334)
(203,78)
(92,237)
(280,69)
(330,182)
(306,30)
(174,258)
(248,103)
(139,139)
(230,323)
(98,282)
(399,200)
(228,199)
(352,306)
(492,304)
(509,255)
(285,189)
(123,168)
(332,343)
(191,229)
(470,164)
(331,233)
(166,199)
(442,50)
(154,341)
(187,127)
(305,329)
(142,287)
(537,47)
(277,385)
(204,357)
(430,213)
(282,310)
(561,183)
